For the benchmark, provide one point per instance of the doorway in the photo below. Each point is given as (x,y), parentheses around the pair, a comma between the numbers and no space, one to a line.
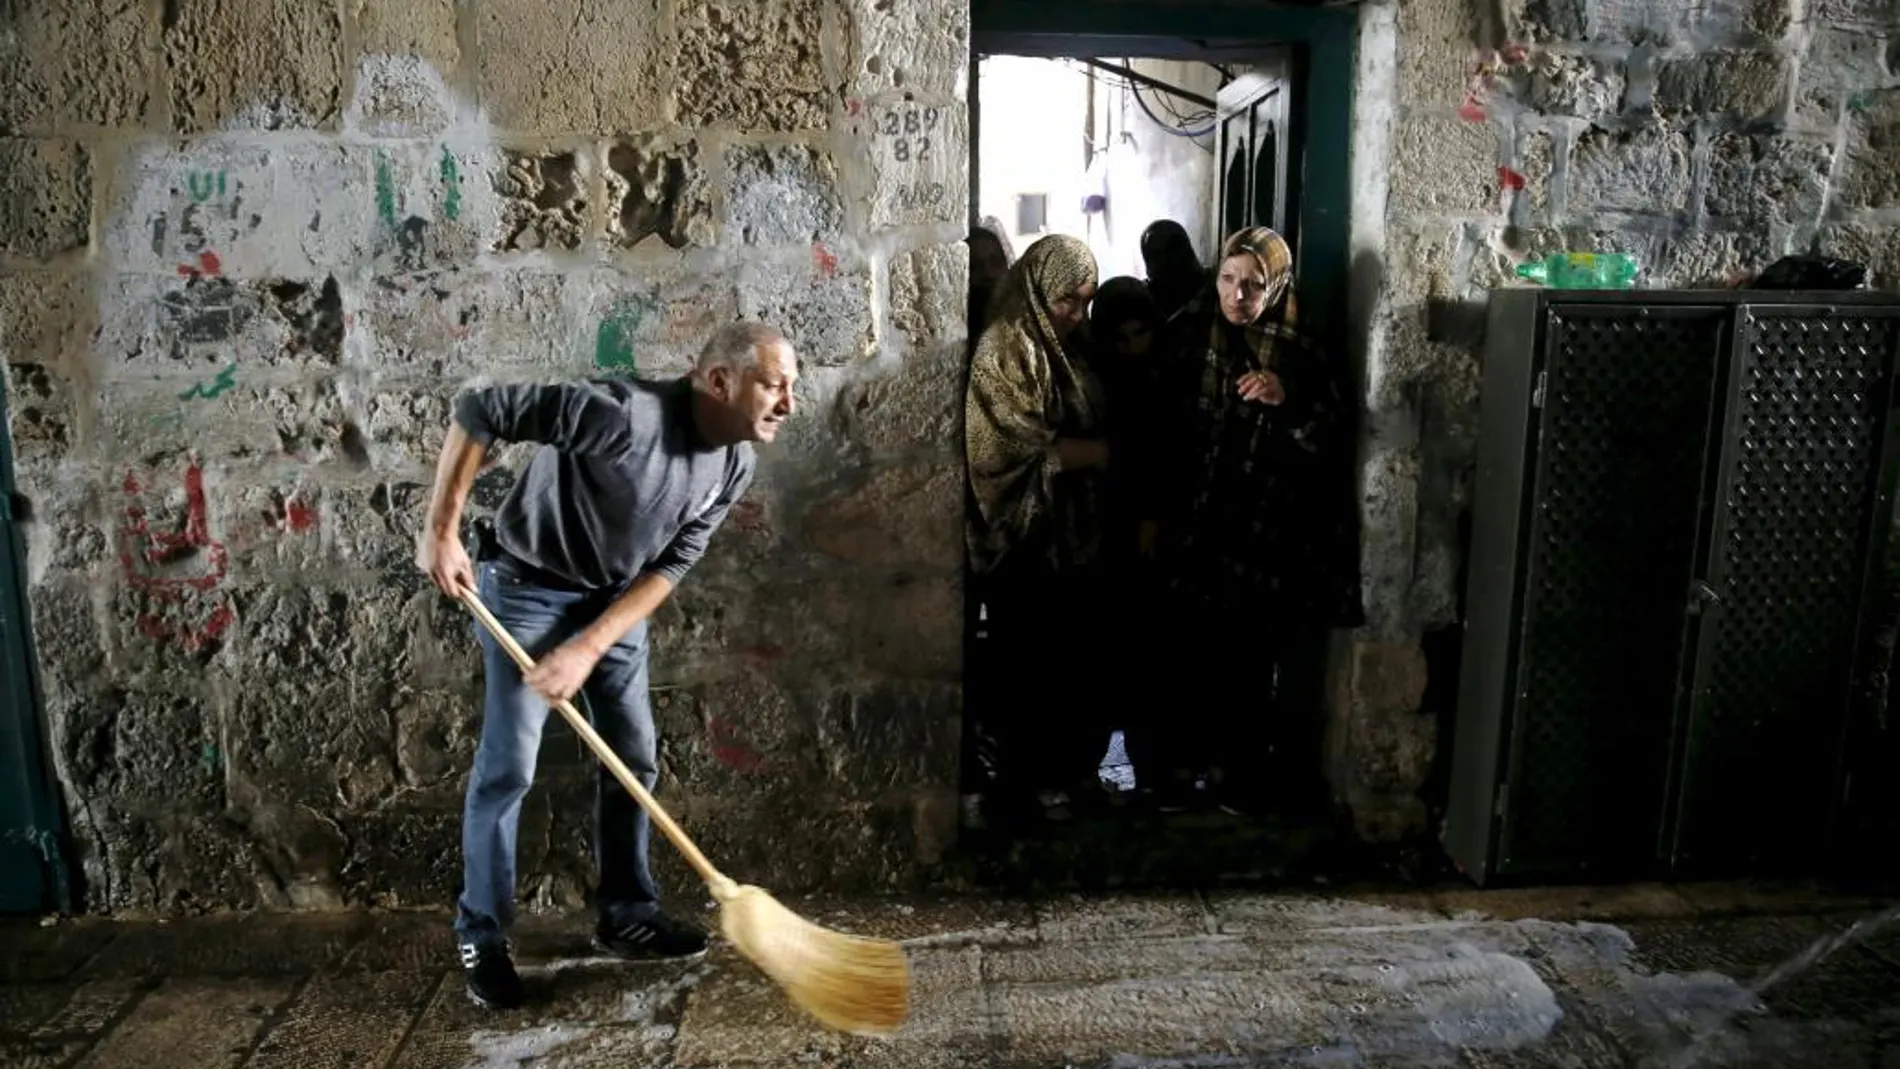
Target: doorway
(32,875)
(1095,124)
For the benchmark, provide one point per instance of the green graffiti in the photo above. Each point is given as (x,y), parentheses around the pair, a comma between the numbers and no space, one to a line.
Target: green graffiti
(204,183)
(613,341)
(452,183)
(225,380)
(385,191)
(208,757)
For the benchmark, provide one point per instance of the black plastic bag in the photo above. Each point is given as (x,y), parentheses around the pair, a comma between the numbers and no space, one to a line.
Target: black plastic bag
(1811,273)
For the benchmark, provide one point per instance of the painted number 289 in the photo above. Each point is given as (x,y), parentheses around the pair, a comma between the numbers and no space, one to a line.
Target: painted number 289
(909,131)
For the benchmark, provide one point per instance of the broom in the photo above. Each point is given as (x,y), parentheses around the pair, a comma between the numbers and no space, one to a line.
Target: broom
(849,983)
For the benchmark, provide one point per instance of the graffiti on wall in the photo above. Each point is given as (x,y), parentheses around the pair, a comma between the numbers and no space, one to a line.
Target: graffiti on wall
(178,566)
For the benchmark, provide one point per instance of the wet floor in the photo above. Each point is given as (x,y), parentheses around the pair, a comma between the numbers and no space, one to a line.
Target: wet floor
(1637,976)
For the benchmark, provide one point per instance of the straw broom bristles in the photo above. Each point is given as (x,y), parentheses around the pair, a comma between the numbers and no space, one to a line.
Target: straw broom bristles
(849,983)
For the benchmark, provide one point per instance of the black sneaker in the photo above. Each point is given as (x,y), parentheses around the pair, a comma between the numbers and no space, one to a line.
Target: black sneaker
(492,980)
(656,938)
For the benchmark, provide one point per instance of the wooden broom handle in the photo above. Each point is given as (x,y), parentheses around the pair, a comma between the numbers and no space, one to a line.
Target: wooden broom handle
(715,879)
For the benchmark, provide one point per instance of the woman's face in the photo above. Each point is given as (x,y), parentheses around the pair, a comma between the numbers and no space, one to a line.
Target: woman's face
(1243,290)
(1131,339)
(1067,313)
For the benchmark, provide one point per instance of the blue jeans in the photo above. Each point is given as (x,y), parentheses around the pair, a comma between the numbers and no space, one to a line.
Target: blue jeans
(614,699)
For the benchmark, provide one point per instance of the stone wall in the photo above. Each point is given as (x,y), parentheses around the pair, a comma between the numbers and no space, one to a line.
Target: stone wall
(1708,139)
(250,253)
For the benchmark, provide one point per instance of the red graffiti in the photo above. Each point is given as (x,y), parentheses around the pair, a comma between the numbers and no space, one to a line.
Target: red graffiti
(194,613)
(824,260)
(1515,53)
(1472,110)
(731,751)
(854,107)
(300,517)
(208,266)
(1510,179)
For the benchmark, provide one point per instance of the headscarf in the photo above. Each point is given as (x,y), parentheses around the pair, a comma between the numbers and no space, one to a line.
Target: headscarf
(994,228)
(1027,388)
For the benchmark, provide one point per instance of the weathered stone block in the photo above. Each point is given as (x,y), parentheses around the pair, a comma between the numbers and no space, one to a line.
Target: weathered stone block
(544,202)
(375,528)
(742,736)
(1444,165)
(202,334)
(48,208)
(1651,22)
(783,195)
(753,66)
(1557,20)
(1644,170)
(919,407)
(655,323)
(922,47)
(853,846)
(575,66)
(149,753)
(1748,86)
(1529,176)
(1715,259)
(450,324)
(65,64)
(436,205)
(66,531)
(1875,247)
(656,186)
(424,29)
(928,296)
(399,96)
(45,318)
(402,856)
(1839,64)
(1576,86)
(891,736)
(40,414)
(271,67)
(68,639)
(825,310)
(919,164)
(1860,13)
(168,863)
(901,517)
(909,626)
(1767,179)
(1436,42)
(1870,176)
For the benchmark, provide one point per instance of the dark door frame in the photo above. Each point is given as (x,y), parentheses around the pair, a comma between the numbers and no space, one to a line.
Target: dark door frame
(33,874)
(1323,40)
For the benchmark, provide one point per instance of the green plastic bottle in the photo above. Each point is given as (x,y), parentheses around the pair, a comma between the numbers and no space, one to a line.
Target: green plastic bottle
(1582,271)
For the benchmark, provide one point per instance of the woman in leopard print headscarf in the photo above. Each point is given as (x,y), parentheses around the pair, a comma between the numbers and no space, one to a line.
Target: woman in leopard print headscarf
(1034,423)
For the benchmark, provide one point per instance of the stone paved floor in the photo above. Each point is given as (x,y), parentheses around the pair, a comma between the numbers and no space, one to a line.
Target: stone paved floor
(1642,975)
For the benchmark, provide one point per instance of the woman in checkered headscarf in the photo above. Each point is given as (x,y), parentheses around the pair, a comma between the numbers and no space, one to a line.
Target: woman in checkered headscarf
(1246,502)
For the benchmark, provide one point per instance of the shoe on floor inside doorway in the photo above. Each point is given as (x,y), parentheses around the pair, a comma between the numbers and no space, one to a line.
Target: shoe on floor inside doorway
(490,972)
(655,938)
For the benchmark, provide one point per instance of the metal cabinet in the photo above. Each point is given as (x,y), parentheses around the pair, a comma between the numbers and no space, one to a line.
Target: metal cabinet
(1681,515)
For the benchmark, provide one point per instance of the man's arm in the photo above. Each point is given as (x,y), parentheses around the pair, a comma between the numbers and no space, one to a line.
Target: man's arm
(439,550)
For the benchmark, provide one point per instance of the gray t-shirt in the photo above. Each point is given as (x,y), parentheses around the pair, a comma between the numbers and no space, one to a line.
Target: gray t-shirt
(623,485)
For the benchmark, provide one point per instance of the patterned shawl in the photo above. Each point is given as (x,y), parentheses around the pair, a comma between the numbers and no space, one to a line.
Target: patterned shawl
(1027,388)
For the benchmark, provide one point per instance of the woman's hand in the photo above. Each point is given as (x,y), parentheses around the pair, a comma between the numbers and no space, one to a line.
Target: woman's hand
(1263,387)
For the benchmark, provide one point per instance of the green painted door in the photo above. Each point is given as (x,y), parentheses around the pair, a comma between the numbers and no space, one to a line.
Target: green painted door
(31,873)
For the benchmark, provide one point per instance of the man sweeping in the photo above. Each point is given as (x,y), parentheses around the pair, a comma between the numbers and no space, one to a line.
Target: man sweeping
(631,480)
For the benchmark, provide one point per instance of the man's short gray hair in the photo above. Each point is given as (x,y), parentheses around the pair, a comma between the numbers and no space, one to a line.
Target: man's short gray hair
(736,346)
